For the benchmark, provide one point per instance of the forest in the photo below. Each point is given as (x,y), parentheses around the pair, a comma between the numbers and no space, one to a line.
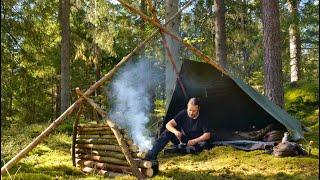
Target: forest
(51,47)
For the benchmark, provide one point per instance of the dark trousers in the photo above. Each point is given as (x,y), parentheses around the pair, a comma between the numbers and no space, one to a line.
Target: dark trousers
(167,136)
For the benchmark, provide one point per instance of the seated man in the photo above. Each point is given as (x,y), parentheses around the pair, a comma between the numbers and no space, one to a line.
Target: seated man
(188,127)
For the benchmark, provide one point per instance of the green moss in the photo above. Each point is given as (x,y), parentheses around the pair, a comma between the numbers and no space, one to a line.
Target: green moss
(301,100)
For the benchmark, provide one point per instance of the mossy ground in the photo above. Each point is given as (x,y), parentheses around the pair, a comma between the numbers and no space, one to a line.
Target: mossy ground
(52,160)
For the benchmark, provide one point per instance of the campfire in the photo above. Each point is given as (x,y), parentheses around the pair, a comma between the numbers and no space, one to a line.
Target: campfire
(97,150)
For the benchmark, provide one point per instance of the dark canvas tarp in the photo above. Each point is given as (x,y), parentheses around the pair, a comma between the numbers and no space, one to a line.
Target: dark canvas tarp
(229,103)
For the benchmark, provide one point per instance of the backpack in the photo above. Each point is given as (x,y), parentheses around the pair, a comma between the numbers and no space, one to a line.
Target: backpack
(288,149)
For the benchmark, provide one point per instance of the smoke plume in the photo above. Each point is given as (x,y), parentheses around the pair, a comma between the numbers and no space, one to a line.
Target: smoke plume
(131,102)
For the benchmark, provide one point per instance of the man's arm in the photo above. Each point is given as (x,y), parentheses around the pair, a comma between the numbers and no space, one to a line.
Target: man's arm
(171,127)
(204,137)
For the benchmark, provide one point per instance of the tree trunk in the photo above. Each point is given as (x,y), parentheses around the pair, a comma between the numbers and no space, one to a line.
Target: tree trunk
(210,7)
(97,65)
(172,7)
(295,44)
(57,99)
(65,54)
(143,9)
(220,33)
(272,52)
(244,49)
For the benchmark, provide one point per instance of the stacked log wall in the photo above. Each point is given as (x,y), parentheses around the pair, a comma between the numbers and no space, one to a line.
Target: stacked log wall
(97,151)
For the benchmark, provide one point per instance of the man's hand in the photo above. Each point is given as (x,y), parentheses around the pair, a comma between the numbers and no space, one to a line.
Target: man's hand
(192,142)
(178,135)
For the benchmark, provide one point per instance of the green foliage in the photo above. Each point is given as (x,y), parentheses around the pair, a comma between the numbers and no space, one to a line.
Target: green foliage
(302,100)
(256,81)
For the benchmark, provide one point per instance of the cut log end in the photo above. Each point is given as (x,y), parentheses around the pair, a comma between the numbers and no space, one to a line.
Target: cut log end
(148,172)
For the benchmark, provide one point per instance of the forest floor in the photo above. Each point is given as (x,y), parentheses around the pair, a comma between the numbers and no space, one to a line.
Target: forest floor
(52,160)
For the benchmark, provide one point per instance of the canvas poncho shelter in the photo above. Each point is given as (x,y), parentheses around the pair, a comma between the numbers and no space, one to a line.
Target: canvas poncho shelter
(229,103)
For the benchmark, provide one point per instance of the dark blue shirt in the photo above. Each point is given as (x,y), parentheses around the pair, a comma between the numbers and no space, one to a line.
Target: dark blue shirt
(192,128)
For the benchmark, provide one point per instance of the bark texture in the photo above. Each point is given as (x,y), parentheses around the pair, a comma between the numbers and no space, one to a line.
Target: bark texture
(174,46)
(65,54)
(272,52)
(294,40)
(220,33)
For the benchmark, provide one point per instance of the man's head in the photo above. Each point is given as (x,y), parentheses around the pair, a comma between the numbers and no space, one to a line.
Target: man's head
(193,108)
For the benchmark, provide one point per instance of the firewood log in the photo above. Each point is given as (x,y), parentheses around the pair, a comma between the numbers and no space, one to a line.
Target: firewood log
(140,155)
(104,166)
(92,125)
(112,160)
(115,154)
(103,128)
(112,141)
(101,172)
(97,141)
(147,171)
(143,163)
(104,159)
(132,148)
(95,132)
(88,136)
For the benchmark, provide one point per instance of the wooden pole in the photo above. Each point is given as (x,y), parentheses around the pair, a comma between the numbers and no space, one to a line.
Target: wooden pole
(165,30)
(117,134)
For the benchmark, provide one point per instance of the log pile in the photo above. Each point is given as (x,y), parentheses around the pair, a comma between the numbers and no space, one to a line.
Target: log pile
(97,150)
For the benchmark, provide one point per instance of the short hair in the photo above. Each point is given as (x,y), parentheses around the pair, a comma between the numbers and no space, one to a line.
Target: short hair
(194,101)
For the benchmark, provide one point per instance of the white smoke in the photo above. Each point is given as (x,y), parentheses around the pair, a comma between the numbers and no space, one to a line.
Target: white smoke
(131,101)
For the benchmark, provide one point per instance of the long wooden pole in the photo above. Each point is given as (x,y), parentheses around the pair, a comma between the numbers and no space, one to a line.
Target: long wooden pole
(118,135)
(165,30)
(69,111)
